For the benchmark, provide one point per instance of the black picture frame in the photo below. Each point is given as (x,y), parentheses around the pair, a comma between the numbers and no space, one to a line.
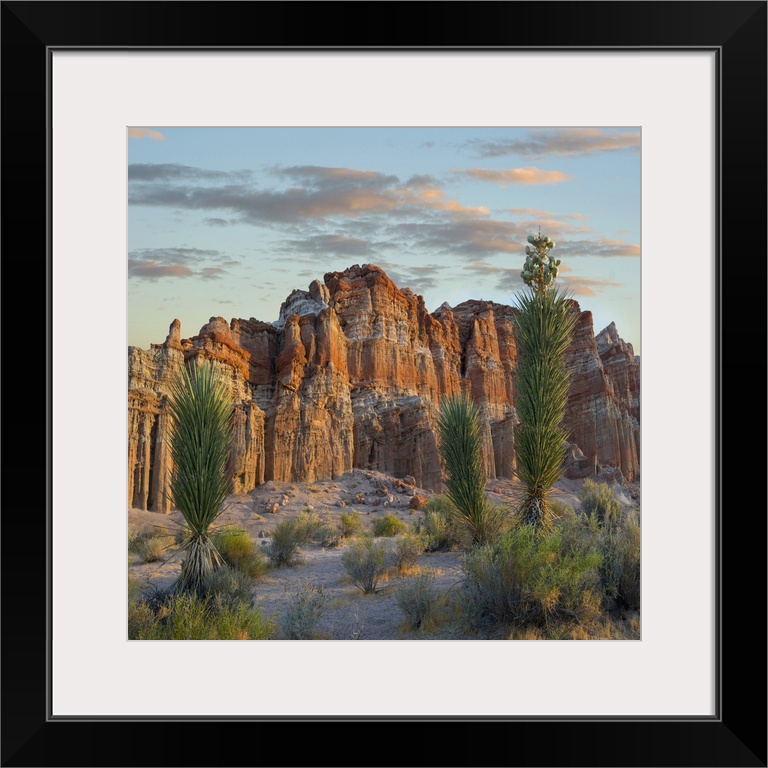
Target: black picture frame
(736,736)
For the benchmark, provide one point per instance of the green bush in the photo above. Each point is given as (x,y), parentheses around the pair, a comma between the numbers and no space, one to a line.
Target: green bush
(284,548)
(350,524)
(440,525)
(298,622)
(388,525)
(621,563)
(406,551)
(418,598)
(308,524)
(186,616)
(530,577)
(366,562)
(600,500)
(238,551)
(229,586)
(328,536)
(151,548)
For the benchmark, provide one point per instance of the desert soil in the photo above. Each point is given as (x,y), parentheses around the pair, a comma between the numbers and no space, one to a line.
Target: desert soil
(349,614)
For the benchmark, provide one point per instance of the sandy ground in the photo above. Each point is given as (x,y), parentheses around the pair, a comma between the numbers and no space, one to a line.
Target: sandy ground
(348,614)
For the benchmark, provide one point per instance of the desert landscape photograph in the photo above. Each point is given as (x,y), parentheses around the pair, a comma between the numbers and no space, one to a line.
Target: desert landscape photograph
(384,384)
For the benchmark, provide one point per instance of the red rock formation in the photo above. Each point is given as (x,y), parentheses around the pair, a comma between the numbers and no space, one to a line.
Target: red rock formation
(598,420)
(351,376)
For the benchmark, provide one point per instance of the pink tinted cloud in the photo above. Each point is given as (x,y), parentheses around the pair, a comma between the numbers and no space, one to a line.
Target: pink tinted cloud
(145,133)
(434,199)
(529,175)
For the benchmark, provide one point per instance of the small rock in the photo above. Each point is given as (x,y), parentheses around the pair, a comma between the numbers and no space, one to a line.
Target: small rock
(409,480)
(263,543)
(261,534)
(381,491)
(275,509)
(410,491)
(341,503)
(375,502)
(418,502)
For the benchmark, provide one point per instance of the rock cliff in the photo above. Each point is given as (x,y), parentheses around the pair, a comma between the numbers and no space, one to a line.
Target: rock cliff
(351,376)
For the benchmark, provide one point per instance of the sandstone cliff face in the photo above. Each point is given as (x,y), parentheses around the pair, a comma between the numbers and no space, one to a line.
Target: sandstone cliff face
(351,376)
(599,415)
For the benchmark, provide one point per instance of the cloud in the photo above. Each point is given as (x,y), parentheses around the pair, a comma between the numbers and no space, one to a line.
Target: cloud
(417,279)
(603,247)
(152,172)
(145,133)
(566,142)
(341,245)
(466,236)
(324,176)
(583,286)
(529,175)
(533,212)
(317,192)
(509,280)
(151,270)
(432,198)
(156,263)
(214,222)
(212,273)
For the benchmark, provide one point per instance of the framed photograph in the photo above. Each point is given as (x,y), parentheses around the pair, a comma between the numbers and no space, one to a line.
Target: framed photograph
(83,80)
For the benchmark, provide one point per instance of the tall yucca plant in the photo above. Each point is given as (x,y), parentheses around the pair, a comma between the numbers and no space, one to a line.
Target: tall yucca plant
(200,436)
(545,325)
(461,451)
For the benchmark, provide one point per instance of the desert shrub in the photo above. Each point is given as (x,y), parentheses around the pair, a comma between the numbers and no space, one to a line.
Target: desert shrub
(529,577)
(238,551)
(350,523)
(233,544)
(284,548)
(299,620)
(142,621)
(388,525)
(418,598)
(307,525)
(134,589)
(151,548)
(621,560)
(229,586)
(440,525)
(328,536)
(406,551)
(187,616)
(599,499)
(366,562)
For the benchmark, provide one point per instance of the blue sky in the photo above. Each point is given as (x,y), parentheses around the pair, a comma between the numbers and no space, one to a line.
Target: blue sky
(228,221)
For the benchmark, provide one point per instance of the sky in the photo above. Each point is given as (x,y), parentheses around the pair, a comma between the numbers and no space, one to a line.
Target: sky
(226,222)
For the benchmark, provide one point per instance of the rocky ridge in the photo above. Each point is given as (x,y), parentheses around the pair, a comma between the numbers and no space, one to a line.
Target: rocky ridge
(351,376)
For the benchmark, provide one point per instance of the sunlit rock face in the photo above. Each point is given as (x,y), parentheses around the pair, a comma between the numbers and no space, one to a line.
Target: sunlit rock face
(351,375)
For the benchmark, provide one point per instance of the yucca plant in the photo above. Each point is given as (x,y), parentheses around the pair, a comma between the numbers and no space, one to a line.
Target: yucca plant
(545,325)
(465,480)
(199,408)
